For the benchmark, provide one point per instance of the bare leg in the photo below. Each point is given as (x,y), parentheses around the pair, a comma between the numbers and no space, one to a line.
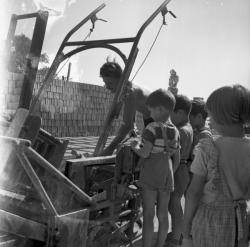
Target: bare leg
(181,180)
(176,212)
(162,215)
(148,200)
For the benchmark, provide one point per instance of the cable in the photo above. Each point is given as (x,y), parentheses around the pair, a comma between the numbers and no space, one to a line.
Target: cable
(148,52)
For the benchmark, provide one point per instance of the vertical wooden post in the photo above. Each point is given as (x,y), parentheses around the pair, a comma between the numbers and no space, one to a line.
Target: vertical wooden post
(33,59)
(69,70)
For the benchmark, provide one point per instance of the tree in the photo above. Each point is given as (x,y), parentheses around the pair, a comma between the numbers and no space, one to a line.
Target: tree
(19,51)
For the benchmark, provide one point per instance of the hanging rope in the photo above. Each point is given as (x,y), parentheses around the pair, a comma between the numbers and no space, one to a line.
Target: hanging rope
(148,51)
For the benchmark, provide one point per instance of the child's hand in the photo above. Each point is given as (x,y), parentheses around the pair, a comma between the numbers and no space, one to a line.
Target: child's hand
(134,143)
(187,242)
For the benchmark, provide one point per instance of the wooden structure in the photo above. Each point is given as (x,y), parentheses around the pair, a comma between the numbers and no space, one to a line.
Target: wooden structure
(39,205)
(94,201)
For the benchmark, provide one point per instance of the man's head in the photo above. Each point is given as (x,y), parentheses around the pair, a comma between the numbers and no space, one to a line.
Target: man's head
(111,73)
(160,104)
(198,114)
(181,111)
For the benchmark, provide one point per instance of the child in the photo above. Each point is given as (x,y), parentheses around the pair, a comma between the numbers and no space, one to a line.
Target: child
(159,154)
(180,118)
(215,209)
(198,117)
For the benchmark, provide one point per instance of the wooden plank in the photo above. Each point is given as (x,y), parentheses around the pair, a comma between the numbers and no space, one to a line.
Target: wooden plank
(9,240)
(36,183)
(72,228)
(93,161)
(17,225)
(9,243)
(63,179)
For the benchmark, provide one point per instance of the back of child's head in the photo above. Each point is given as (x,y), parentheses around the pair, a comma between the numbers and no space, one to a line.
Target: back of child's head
(182,103)
(111,69)
(198,107)
(229,105)
(161,97)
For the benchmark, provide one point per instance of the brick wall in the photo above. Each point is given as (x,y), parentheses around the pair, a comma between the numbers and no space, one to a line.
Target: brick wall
(66,108)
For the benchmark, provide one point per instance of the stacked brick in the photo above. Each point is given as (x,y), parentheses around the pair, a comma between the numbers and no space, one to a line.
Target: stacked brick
(74,109)
(66,108)
(10,90)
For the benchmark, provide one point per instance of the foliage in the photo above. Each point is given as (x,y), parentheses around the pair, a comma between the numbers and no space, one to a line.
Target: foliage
(19,51)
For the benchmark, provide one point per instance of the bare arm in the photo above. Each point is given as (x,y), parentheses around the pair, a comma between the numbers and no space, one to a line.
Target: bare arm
(127,125)
(193,197)
(176,160)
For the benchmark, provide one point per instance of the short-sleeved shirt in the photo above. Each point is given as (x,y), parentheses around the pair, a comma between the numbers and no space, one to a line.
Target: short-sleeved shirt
(201,134)
(153,133)
(233,155)
(156,170)
(186,140)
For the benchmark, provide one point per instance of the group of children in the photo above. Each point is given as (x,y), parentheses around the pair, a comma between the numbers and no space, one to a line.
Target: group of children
(180,157)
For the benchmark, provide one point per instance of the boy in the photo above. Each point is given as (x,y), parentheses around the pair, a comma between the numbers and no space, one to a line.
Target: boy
(159,152)
(180,118)
(135,100)
(198,117)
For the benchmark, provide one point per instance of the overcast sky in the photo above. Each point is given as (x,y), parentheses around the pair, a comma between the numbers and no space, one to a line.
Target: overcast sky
(208,44)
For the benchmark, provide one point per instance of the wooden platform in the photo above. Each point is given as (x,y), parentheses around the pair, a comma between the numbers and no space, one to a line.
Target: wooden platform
(82,145)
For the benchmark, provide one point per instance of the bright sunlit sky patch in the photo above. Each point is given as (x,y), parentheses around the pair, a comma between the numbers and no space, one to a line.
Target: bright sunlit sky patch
(208,44)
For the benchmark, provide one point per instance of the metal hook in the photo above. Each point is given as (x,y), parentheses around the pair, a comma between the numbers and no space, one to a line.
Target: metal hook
(164,11)
(93,20)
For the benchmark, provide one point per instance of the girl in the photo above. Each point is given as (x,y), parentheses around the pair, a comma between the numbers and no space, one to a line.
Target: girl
(160,142)
(215,210)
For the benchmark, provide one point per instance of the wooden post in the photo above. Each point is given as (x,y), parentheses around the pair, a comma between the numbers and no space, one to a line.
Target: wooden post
(69,70)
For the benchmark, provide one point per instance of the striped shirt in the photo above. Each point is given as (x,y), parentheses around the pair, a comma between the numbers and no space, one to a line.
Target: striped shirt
(153,134)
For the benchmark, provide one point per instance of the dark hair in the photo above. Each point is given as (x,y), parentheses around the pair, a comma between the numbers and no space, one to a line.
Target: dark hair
(229,105)
(111,69)
(161,97)
(182,103)
(199,106)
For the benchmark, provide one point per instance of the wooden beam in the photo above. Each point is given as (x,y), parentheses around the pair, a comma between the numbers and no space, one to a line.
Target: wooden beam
(73,228)
(63,179)
(93,161)
(36,183)
(17,225)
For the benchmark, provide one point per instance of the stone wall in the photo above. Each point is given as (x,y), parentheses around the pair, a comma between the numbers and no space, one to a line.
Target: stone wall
(66,108)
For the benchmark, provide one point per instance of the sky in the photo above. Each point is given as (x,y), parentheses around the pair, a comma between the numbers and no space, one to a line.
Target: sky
(208,44)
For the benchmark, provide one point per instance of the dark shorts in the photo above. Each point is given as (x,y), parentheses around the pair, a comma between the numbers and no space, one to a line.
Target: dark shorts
(156,173)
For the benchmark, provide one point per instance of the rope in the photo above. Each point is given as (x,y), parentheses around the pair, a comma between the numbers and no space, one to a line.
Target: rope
(148,52)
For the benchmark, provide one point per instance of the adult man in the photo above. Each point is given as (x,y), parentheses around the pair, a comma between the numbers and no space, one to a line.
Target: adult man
(134,101)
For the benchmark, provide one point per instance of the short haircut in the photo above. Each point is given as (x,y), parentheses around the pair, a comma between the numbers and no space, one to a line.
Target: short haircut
(182,103)
(161,97)
(199,107)
(229,105)
(111,69)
